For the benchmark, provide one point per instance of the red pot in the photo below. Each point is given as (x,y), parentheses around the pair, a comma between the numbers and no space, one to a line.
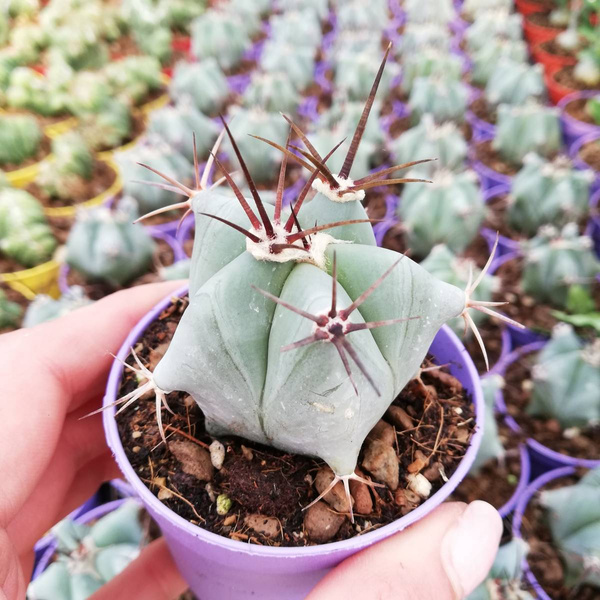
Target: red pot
(41,69)
(181,43)
(536,34)
(551,62)
(556,91)
(526,7)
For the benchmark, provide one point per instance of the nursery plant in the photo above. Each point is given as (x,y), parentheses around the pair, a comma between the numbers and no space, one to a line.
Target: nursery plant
(45,308)
(430,61)
(296,62)
(272,92)
(487,57)
(338,323)
(353,16)
(299,28)
(10,312)
(20,138)
(493,24)
(513,82)
(444,98)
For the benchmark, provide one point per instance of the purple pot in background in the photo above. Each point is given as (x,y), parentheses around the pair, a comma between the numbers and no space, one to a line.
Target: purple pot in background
(218,567)
(320,69)
(482,130)
(520,509)
(122,488)
(509,506)
(488,177)
(578,163)
(309,109)
(573,129)
(389,220)
(239,83)
(543,459)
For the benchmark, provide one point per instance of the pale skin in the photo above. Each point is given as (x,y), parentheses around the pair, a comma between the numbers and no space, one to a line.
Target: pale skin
(51,461)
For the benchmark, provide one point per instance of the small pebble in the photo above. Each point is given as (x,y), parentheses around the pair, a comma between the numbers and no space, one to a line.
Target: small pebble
(195,461)
(419,485)
(363,503)
(321,523)
(267,526)
(136,434)
(398,417)
(381,461)
(433,472)
(336,497)
(230,520)
(248,454)
(383,432)
(135,449)
(217,454)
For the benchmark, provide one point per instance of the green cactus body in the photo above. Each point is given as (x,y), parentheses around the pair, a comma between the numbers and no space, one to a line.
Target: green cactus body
(109,127)
(27,40)
(133,78)
(446,266)
(566,380)
(174,124)
(473,9)
(430,62)
(427,140)
(524,129)
(486,58)
(155,41)
(44,308)
(297,63)
(298,28)
(89,91)
(27,90)
(449,211)
(272,92)
(89,556)
(493,24)
(180,13)
(515,82)
(353,16)
(25,235)
(221,36)
(318,7)
(250,14)
(20,137)
(10,312)
(106,246)
(574,520)
(22,8)
(548,192)
(443,98)
(356,42)
(203,82)
(505,579)
(440,12)
(79,49)
(556,260)
(416,38)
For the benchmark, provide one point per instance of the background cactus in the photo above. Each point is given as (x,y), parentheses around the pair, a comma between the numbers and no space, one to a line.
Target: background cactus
(272,92)
(296,62)
(110,126)
(486,58)
(444,98)
(548,192)
(435,11)
(88,556)
(514,82)
(493,24)
(524,129)
(105,245)
(133,78)
(25,235)
(449,210)
(45,308)
(574,520)
(20,138)
(353,16)
(418,37)
(79,46)
(10,312)
(566,380)
(430,62)
(299,28)
(319,7)
(555,260)
(474,8)
(28,90)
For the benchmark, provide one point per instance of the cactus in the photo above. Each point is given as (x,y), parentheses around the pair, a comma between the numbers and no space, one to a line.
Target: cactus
(10,312)
(104,245)
(134,77)
(180,13)
(28,90)
(548,192)
(174,124)
(249,14)
(515,83)
(20,138)
(21,8)
(27,40)
(566,380)
(203,82)
(440,12)
(443,264)
(494,24)
(80,48)
(574,520)
(593,108)
(272,92)
(298,28)
(487,57)
(356,42)
(555,260)
(25,235)
(430,62)
(418,37)
(505,579)
(444,98)
(155,41)
(255,292)
(45,308)
(353,16)
(297,63)
(318,7)
(220,36)
(108,127)
(445,142)
(88,556)
(524,129)
(473,9)
(587,69)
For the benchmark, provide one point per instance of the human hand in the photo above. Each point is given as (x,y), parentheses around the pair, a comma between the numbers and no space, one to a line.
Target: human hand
(50,460)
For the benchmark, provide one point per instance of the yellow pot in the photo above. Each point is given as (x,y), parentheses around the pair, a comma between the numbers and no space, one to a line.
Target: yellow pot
(42,279)
(21,177)
(159,102)
(56,129)
(70,211)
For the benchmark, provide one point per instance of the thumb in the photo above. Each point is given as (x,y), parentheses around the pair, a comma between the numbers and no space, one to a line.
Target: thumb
(151,576)
(443,557)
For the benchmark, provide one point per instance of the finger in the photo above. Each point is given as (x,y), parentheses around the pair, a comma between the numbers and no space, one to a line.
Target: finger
(152,576)
(443,557)
(12,581)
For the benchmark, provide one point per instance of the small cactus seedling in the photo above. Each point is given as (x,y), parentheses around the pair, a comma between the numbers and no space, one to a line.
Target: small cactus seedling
(108,127)
(494,24)
(524,129)
(352,16)
(296,62)
(134,77)
(450,211)
(45,308)
(272,92)
(486,58)
(574,520)
(20,138)
(430,62)
(440,12)
(587,69)
(445,142)
(566,380)
(548,192)
(444,98)
(318,7)
(10,312)
(79,47)
(203,82)
(104,245)
(25,235)
(514,82)
(416,38)
(505,581)
(299,28)
(554,261)
(89,556)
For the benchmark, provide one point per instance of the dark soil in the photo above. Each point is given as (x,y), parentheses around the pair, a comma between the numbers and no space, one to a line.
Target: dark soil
(482,110)
(103,177)
(548,432)
(243,67)
(99,289)
(42,152)
(577,109)
(259,479)
(13,296)
(542,19)
(152,95)
(495,483)
(553,47)
(544,559)
(566,77)
(590,153)
(122,47)
(485,153)
(375,203)
(400,125)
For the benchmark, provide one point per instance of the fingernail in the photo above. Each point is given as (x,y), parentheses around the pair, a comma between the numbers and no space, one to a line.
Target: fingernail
(469,547)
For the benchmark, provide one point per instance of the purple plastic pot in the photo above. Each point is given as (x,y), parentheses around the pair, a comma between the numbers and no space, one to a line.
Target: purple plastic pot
(320,69)
(309,108)
(82,517)
(239,83)
(543,459)
(488,177)
(578,163)
(218,567)
(573,129)
(520,509)
(122,488)
(482,130)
